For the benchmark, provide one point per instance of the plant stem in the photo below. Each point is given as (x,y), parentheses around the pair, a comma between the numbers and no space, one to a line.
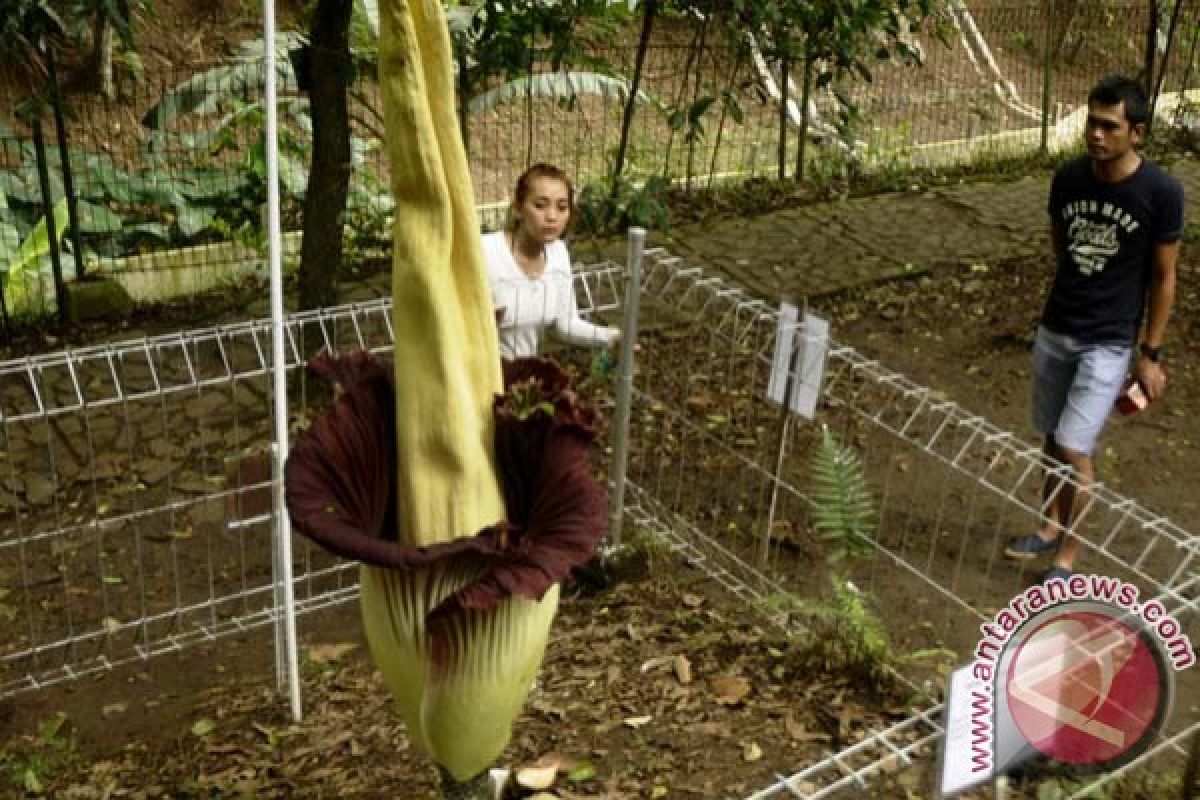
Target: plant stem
(785,79)
(649,11)
(726,100)
(693,124)
(805,96)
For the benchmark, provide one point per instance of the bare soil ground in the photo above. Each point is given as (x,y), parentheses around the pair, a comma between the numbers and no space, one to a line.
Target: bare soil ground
(730,703)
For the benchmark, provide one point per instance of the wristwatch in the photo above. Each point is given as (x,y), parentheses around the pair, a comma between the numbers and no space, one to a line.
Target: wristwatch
(1150,353)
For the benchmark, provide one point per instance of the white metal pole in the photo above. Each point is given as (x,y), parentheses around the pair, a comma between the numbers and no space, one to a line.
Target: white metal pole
(629,332)
(283,530)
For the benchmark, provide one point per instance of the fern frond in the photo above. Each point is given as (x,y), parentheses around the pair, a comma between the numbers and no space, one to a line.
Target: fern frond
(843,509)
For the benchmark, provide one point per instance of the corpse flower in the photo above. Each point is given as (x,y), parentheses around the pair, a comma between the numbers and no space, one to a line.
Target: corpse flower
(341,483)
(463,489)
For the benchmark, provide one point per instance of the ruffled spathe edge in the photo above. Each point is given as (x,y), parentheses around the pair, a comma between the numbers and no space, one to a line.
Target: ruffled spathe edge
(340,483)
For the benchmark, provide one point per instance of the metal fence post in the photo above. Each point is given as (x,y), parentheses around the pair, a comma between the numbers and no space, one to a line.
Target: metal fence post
(785,419)
(629,331)
(282,527)
(43,171)
(1047,71)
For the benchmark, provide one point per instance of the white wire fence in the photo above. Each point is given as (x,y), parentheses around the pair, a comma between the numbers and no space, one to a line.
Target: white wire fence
(713,461)
(135,496)
(135,490)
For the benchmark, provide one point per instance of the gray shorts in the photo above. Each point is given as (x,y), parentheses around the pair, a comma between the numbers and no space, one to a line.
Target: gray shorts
(1074,387)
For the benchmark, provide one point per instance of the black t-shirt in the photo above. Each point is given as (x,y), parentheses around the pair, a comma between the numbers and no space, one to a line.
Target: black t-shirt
(1100,285)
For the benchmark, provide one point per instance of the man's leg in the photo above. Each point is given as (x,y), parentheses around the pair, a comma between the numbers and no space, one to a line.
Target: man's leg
(1097,383)
(1055,509)
(1073,497)
(1054,365)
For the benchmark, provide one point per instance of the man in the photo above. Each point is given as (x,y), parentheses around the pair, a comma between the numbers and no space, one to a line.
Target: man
(1116,223)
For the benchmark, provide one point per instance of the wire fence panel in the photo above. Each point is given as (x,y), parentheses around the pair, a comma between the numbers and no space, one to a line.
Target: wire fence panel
(136,488)
(729,472)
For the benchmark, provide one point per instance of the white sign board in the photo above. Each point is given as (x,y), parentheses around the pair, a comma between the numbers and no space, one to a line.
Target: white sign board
(785,333)
(808,340)
(959,772)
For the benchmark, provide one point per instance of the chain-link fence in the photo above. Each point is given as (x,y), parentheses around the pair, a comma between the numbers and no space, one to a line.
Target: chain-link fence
(169,177)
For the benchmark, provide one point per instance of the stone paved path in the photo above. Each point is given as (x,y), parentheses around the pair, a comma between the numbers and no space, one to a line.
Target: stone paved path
(831,246)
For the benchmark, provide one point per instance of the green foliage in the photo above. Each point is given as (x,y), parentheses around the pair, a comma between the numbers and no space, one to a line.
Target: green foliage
(237,212)
(843,510)
(504,38)
(690,118)
(209,92)
(842,636)
(837,40)
(24,24)
(644,205)
(29,764)
(120,14)
(25,263)
(502,48)
(1143,783)
(216,194)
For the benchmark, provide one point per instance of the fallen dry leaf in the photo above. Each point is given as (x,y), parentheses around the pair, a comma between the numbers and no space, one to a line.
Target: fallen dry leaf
(329,653)
(658,662)
(692,600)
(751,752)
(537,778)
(683,669)
(799,733)
(729,690)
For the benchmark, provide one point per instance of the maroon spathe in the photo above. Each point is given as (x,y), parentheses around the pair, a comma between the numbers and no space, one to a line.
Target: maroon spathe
(340,483)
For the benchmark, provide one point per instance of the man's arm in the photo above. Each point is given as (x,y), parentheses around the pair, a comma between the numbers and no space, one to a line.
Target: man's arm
(1159,300)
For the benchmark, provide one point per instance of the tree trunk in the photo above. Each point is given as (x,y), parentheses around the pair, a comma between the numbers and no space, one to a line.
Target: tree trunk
(1148,58)
(329,176)
(1164,63)
(530,66)
(805,97)
(64,157)
(725,101)
(680,94)
(649,11)
(102,56)
(43,170)
(785,80)
(694,132)
(1062,15)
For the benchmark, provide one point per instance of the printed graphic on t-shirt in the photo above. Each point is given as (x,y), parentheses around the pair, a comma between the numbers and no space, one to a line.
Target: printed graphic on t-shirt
(1094,232)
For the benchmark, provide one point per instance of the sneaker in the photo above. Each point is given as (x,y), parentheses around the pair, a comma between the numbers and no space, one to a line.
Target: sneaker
(1055,573)
(1030,546)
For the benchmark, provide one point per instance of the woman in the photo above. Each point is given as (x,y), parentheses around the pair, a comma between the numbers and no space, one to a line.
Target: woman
(529,269)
